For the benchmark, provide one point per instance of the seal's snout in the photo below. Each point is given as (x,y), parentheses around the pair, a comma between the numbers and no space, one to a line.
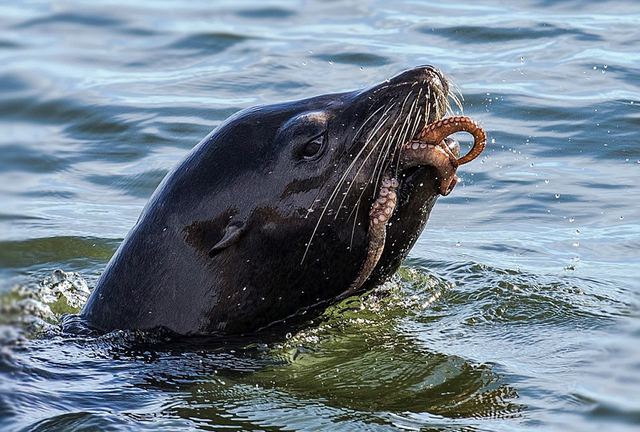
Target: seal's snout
(424,74)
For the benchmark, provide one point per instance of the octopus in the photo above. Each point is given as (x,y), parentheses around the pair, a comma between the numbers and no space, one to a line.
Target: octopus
(428,148)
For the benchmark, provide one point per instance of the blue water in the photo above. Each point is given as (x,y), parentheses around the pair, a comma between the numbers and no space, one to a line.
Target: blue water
(517,310)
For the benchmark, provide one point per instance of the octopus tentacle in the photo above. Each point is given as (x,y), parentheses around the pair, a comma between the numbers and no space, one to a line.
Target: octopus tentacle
(437,131)
(438,156)
(381,211)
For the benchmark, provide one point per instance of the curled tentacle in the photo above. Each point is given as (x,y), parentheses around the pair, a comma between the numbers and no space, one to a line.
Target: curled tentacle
(437,131)
(438,156)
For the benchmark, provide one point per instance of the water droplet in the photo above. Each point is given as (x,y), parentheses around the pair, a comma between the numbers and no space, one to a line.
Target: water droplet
(557,196)
(522,59)
(576,244)
(458,244)
(546,181)
(288,336)
(493,140)
(571,219)
(621,217)
(577,232)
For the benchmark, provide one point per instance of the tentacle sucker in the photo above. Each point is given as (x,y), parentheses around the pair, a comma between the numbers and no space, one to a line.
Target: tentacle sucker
(379,215)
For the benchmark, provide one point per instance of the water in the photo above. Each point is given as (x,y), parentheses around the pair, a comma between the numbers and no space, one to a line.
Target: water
(518,309)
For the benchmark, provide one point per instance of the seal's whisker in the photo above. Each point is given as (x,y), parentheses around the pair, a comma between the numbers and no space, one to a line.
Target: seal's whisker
(353,228)
(427,115)
(436,105)
(457,101)
(404,131)
(386,144)
(357,134)
(381,122)
(373,148)
(410,133)
(379,159)
(455,93)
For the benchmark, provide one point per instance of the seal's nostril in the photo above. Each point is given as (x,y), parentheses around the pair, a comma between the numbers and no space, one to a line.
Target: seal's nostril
(453,145)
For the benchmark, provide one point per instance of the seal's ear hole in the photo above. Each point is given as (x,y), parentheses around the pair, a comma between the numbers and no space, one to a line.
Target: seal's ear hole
(214,252)
(313,149)
(231,235)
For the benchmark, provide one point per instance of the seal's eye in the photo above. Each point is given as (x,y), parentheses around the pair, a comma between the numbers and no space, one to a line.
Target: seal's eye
(313,149)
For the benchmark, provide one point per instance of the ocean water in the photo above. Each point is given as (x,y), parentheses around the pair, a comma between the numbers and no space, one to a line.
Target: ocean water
(517,310)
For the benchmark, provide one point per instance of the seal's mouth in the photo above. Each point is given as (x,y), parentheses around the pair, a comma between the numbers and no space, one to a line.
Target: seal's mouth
(430,145)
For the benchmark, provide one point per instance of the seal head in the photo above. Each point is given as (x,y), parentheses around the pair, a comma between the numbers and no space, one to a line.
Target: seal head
(269,215)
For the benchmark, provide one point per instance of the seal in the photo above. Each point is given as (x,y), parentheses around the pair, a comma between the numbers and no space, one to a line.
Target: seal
(286,208)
